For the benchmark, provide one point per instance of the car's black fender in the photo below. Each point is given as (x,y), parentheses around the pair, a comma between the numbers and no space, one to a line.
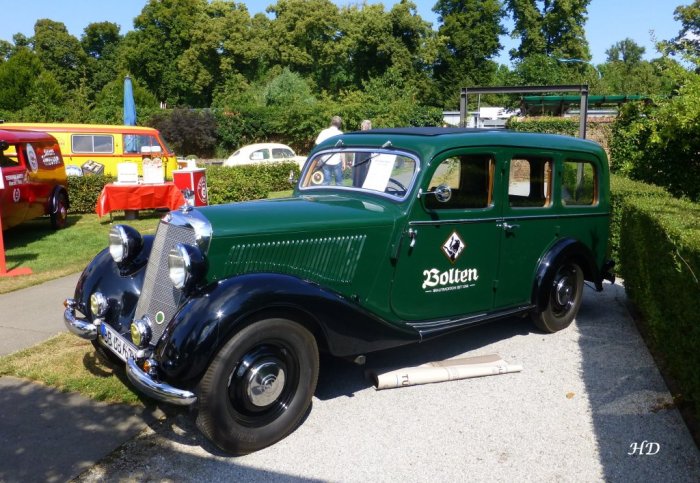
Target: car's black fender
(206,321)
(119,283)
(563,250)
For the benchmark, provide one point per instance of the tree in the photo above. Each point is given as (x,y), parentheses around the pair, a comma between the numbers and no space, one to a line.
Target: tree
(17,77)
(59,52)
(471,30)
(153,51)
(687,42)
(550,27)
(626,51)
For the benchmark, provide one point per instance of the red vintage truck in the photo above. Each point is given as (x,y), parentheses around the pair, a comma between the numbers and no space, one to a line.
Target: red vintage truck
(32,179)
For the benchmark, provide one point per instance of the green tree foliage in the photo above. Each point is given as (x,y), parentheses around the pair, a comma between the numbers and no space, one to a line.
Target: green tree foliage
(550,27)
(188,131)
(470,30)
(60,52)
(100,42)
(626,51)
(687,42)
(658,143)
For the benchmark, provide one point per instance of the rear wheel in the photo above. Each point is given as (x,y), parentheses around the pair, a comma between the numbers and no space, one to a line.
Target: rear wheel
(564,299)
(259,386)
(59,215)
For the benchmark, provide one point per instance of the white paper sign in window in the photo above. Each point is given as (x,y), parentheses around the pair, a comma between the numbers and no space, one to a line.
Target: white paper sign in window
(379,172)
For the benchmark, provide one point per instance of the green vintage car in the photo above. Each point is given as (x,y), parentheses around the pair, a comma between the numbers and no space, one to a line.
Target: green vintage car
(432,230)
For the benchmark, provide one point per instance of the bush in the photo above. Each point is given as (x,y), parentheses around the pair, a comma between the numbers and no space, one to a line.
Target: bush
(243,183)
(659,259)
(83,192)
(188,131)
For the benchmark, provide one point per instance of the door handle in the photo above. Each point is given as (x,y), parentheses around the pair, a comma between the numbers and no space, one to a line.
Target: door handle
(509,227)
(412,235)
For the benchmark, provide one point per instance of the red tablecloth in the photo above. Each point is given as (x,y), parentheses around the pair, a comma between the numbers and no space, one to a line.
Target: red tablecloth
(116,197)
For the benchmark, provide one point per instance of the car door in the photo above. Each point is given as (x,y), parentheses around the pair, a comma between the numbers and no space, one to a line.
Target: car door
(447,260)
(530,223)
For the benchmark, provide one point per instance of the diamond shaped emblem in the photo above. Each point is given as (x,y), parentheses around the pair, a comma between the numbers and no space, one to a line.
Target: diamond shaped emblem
(453,247)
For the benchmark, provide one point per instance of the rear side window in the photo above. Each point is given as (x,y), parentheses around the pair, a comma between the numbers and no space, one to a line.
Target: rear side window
(579,184)
(470,177)
(260,154)
(92,143)
(281,153)
(530,182)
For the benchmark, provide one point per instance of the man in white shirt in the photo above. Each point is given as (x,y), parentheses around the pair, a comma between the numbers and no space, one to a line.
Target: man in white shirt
(334,165)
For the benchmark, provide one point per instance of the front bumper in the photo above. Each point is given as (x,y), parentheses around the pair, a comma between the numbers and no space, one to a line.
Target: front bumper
(77,325)
(157,390)
(141,380)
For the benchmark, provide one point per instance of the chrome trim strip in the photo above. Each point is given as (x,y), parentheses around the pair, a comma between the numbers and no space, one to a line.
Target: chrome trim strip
(157,390)
(503,218)
(78,325)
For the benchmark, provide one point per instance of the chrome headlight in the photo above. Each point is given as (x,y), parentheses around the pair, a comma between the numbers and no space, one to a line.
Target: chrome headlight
(98,304)
(124,243)
(186,265)
(141,332)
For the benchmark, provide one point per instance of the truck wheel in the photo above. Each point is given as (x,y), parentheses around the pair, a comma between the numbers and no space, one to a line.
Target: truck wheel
(259,386)
(564,299)
(60,214)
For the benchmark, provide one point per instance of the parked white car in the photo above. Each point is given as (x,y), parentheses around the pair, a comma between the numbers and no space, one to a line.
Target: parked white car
(264,153)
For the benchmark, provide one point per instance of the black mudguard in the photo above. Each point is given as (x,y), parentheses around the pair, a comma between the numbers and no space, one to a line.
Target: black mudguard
(209,319)
(565,249)
(120,284)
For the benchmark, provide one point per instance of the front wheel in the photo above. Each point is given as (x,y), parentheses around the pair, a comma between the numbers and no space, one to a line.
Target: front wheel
(259,386)
(564,299)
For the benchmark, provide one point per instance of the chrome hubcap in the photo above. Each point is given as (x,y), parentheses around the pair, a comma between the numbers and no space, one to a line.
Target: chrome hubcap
(564,292)
(264,383)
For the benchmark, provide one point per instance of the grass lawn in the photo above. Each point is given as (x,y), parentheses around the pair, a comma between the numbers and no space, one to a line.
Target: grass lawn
(69,363)
(54,253)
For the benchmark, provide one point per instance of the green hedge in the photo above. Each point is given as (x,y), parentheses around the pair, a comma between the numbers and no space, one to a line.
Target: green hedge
(226,185)
(83,192)
(659,260)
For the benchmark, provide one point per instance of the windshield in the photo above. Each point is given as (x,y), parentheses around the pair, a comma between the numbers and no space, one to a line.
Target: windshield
(388,173)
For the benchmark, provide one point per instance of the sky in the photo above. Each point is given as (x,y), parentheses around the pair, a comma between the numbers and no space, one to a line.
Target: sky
(609,21)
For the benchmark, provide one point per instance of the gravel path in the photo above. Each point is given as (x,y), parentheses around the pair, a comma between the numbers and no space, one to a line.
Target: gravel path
(585,395)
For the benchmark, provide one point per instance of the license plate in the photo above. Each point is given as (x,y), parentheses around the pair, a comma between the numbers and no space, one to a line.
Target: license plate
(116,343)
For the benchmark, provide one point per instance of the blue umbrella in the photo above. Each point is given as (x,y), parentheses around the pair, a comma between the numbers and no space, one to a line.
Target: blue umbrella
(129,104)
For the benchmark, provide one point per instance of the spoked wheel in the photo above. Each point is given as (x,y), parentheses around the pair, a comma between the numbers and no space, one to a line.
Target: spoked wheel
(259,386)
(564,299)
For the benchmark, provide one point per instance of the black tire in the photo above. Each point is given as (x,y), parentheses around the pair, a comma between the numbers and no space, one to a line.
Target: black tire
(243,405)
(59,215)
(564,299)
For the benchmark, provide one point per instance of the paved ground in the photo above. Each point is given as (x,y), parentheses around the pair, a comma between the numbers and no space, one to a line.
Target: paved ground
(585,396)
(47,435)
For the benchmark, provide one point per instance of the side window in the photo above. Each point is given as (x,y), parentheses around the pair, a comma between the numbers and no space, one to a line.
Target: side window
(579,183)
(530,182)
(470,177)
(133,143)
(281,153)
(260,154)
(92,143)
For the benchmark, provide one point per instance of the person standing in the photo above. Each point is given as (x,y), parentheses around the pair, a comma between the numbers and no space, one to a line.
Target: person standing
(333,165)
(361,164)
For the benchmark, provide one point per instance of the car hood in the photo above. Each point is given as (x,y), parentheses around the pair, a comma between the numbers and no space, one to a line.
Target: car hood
(328,239)
(300,214)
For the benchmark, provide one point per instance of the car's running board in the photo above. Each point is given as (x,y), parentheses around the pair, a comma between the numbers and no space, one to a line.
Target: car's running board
(433,328)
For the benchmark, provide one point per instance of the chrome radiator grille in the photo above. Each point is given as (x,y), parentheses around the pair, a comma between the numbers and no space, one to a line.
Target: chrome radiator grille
(158,293)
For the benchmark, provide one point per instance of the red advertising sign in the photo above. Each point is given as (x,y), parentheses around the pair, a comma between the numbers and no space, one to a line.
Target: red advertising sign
(195,181)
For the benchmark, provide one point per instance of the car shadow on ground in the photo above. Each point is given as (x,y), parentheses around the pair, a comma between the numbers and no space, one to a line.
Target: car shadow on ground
(341,377)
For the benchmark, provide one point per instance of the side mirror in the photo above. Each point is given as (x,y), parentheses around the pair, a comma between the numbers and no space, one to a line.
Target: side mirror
(442,193)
